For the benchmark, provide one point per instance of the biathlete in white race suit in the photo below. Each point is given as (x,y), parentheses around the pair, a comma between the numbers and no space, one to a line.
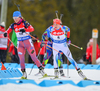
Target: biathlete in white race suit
(22,29)
(59,35)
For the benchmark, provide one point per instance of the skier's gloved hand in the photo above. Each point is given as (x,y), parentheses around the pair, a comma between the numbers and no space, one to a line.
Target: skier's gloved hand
(49,39)
(42,44)
(22,30)
(5,34)
(68,42)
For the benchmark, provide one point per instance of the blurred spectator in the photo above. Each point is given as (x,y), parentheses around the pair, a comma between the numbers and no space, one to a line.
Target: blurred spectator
(89,51)
(85,61)
(14,54)
(13,49)
(4,43)
(42,52)
(98,61)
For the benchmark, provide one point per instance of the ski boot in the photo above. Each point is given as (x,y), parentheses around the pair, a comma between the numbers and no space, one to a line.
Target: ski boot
(24,74)
(56,73)
(81,74)
(61,72)
(41,70)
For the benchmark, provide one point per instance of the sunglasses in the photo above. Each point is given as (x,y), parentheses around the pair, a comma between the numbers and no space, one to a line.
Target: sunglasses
(15,17)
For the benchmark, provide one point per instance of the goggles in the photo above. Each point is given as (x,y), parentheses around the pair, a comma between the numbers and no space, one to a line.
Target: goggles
(15,17)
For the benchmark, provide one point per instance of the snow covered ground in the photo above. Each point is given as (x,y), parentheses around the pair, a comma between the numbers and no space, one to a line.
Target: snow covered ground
(74,77)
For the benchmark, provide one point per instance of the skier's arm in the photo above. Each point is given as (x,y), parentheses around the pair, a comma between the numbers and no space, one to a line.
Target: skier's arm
(67,31)
(46,35)
(67,34)
(11,27)
(8,30)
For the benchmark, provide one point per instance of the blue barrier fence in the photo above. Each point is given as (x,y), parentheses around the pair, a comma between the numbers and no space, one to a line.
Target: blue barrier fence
(50,83)
(49,66)
(13,71)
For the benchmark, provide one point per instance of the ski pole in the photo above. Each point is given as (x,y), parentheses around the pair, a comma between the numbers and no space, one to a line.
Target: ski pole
(76,46)
(56,14)
(68,69)
(32,68)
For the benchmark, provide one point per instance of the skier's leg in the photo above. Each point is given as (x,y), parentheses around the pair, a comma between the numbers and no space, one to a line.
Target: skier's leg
(47,55)
(31,50)
(60,63)
(21,53)
(68,54)
(55,61)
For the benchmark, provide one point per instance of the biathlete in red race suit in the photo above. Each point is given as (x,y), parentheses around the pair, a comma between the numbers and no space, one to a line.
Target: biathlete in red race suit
(59,35)
(22,30)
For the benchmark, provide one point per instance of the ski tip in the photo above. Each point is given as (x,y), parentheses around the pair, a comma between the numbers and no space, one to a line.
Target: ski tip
(55,78)
(88,79)
(23,77)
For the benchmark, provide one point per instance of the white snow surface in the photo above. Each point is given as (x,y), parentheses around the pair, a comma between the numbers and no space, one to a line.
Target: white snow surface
(91,74)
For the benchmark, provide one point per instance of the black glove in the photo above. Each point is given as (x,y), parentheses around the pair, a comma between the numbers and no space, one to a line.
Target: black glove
(68,42)
(49,39)
(22,30)
(5,34)
(42,44)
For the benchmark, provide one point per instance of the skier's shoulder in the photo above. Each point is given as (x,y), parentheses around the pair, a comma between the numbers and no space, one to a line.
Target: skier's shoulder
(26,23)
(12,26)
(65,27)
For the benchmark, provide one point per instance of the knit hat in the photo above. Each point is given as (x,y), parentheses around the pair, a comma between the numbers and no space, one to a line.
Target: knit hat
(91,40)
(57,21)
(2,24)
(17,14)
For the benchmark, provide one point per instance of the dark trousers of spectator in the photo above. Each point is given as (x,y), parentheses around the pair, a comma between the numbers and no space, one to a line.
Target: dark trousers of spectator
(85,60)
(41,57)
(15,58)
(29,59)
(3,54)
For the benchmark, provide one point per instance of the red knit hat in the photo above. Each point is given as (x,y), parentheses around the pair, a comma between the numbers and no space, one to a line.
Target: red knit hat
(57,21)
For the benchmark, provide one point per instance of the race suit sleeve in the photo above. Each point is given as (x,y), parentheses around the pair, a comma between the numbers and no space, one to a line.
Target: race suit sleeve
(67,32)
(44,35)
(9,30)
(28,27)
